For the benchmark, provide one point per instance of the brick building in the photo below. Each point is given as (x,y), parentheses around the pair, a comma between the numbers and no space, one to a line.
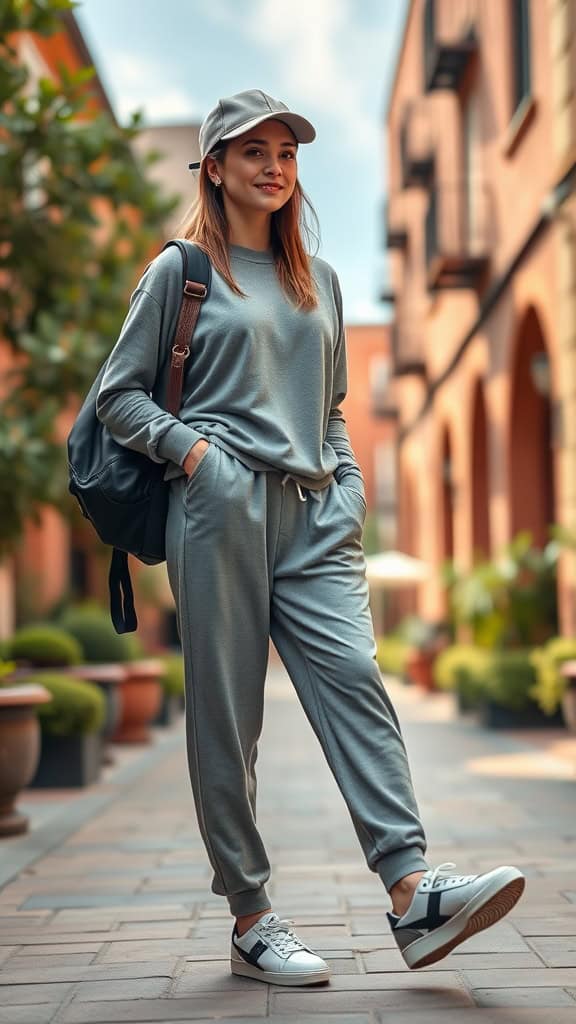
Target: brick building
(481,223)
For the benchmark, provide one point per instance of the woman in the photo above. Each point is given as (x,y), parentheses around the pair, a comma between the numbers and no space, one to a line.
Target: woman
(264,538)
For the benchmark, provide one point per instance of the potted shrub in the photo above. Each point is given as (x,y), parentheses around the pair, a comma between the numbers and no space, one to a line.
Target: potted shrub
(509,602)
(70,726)
(506,699)
(44,645)
(139,678)
(461,669)
(104,655)
(118,658)
(19,746)
(555,686)
(172,681)
(425,640)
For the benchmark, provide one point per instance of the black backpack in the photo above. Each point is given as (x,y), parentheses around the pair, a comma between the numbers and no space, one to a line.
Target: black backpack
(121,491)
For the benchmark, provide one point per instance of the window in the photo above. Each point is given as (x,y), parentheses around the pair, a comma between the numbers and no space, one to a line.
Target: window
(520,38)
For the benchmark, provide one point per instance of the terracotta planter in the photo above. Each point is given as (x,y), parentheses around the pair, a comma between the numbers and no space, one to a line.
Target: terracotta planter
(141,700)
(19,750)
(419,669)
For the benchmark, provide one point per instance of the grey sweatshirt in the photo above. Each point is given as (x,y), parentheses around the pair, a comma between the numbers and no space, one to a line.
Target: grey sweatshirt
(263,380)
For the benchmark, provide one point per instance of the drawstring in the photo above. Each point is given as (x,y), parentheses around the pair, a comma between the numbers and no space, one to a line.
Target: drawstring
(288,476)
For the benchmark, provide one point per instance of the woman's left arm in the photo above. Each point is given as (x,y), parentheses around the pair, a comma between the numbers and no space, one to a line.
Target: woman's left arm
(337,431)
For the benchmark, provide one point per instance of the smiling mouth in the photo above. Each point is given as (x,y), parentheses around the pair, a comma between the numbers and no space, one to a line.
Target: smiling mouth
(269,188)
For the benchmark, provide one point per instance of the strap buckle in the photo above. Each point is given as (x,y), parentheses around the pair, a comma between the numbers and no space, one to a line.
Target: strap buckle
(181,354)
(195,289)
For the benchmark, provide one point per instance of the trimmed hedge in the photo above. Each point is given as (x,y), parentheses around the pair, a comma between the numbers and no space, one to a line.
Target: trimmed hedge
(44,645)
(477,674)
(92,628)
(76,706)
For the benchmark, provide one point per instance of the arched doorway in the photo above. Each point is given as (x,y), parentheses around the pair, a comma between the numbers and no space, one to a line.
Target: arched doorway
(481,545)
(531,456)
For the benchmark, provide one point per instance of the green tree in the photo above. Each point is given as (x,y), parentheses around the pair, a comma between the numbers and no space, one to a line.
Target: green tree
(77,218)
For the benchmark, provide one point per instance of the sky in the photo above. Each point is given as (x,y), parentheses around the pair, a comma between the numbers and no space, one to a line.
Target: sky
(332,61)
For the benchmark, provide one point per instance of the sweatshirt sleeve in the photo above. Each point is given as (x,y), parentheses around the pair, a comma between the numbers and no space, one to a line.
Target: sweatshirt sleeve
(123,401)
(337,432)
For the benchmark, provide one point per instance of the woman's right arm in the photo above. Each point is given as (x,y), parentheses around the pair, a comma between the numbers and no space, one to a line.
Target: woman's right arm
(123,402)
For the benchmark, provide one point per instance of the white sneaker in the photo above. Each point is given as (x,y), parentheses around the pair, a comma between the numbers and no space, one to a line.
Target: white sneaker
(447,910)
(272,952)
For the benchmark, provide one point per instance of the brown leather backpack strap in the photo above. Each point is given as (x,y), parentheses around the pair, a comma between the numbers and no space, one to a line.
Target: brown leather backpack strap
(192,298)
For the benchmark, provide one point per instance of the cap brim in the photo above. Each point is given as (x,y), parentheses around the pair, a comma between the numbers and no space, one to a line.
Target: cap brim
(303,129)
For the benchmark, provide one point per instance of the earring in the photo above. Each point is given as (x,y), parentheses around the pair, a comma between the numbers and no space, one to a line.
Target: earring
(216,181)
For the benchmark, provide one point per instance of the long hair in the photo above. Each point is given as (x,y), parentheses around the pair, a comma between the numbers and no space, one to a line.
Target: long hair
(205,224)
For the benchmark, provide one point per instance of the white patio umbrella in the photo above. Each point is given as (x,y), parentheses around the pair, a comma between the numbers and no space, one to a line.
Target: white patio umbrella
(393,570)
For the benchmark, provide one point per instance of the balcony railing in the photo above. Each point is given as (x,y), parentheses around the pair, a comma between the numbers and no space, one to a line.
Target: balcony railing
(416,148)
(458,233)
(450,41)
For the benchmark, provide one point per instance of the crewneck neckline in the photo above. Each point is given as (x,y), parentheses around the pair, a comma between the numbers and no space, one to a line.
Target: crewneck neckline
(241,252)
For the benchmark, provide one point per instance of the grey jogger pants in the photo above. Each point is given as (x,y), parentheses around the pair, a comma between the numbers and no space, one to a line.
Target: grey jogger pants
(250,554)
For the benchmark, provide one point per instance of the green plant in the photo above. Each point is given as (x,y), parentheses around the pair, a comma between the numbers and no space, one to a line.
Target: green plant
(457,662)
(93,629)
(173,675)
(392,654)
(511,601)
(76,706)
(550,683)
(44,644)
(509,679)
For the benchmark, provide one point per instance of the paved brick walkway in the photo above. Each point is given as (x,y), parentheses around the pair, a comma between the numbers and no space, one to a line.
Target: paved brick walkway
(106,912)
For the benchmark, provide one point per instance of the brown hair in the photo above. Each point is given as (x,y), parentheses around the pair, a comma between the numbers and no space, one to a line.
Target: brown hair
(205,224)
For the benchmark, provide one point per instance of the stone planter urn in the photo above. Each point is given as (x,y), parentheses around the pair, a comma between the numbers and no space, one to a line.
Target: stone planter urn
(142,692)
(20,744)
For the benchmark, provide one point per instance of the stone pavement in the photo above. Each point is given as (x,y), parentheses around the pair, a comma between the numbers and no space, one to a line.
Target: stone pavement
(106,913)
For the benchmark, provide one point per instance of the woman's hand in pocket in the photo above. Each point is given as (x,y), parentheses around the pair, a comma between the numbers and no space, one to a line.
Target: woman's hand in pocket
(195,455)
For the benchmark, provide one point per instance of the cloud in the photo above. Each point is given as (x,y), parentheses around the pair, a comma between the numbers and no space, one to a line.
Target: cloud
(317,51)
(138,84)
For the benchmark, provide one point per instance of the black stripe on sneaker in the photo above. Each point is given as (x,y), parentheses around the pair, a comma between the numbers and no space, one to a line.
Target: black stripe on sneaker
(252,955)
(433,918)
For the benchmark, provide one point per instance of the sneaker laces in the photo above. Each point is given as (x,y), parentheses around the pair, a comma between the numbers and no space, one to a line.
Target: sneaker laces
(281,936)
(445,869)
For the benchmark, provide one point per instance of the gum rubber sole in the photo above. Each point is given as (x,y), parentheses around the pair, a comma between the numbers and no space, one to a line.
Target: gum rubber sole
(489,913)
(276,978)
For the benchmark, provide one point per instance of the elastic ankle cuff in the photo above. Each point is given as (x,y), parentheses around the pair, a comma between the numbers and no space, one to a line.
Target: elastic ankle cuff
(394,866)
(248,902)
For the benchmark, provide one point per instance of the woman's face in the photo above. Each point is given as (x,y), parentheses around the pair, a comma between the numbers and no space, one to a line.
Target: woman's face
(264,156)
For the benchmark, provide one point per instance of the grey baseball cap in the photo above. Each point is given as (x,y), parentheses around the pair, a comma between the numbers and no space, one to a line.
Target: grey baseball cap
(237,114)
